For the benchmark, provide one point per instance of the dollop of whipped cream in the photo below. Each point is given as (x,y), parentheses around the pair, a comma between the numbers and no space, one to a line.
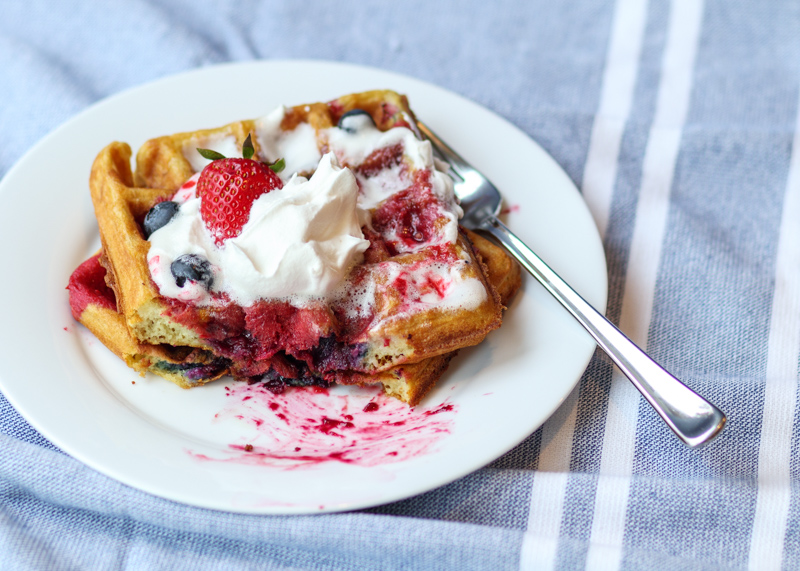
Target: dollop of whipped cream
(298,244)
(298,147)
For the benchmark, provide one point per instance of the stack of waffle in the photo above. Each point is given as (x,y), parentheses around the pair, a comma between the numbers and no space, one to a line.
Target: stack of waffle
(426,287)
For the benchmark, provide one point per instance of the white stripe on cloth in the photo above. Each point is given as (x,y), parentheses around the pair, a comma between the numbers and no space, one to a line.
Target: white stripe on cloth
(540,541)
(783,353)
(616,97)
(540,544)
(619,437)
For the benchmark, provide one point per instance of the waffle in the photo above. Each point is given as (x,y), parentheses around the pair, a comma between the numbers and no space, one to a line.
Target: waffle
(403,326)
(94,305)
(411,382)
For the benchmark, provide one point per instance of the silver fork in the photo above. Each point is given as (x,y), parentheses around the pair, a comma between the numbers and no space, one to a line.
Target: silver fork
(691,417)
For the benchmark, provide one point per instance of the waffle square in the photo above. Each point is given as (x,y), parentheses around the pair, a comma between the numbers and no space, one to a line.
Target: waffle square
(94,305)
(422,290)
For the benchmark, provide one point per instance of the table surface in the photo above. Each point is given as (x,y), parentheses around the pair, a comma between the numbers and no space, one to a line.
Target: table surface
(678,120)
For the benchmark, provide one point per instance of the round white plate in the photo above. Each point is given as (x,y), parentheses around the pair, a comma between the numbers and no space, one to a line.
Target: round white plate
(152,435)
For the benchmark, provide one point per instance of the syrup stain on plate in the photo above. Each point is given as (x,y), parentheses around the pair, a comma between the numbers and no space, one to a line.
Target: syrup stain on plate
(303,427)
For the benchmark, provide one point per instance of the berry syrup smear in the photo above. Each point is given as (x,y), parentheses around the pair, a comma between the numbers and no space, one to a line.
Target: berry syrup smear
(407,221)
(87,285)
(304,427)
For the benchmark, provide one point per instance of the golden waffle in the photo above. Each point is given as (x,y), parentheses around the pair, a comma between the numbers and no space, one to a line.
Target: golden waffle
(399,331)
(411,382)
(93,304)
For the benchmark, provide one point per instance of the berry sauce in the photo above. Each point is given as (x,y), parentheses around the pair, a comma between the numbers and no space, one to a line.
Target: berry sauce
(255,337)
(87,285)
(302,427)
(380,159)
(408,220)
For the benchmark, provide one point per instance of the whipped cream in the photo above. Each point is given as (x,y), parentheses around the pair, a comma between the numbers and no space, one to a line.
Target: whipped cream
(435,285)
(298,244)
(300,150)
(298,147)
(352,145)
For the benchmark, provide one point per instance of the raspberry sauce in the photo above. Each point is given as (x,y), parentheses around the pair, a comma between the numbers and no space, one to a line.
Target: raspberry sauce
(305,427)
(407,220)
(87,285)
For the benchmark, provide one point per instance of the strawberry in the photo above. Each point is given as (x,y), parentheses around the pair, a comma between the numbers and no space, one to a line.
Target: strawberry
(228,188)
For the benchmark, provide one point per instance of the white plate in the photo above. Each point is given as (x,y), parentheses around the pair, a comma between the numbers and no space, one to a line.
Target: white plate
(151,434)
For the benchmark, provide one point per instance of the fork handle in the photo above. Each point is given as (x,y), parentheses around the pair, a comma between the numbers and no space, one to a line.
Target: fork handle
(691,417)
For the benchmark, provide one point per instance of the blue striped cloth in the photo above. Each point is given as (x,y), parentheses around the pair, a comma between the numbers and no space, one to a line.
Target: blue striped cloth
(678,119)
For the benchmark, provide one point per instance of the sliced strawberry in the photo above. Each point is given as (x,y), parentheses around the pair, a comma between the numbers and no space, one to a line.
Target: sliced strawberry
(228,188)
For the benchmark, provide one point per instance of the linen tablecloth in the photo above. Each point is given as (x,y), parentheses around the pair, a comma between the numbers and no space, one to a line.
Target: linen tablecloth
(679,122)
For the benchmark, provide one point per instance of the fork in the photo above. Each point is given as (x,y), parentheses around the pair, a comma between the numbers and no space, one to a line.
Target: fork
(691,417)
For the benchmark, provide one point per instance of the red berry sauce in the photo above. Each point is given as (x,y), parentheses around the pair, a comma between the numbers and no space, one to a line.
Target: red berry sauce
(300,427)
(275,336)
(380,159)
(87,285)
(407,221)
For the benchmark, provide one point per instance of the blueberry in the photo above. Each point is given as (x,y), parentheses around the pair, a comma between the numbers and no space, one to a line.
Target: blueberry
(352,121)
(193,268)
(158,216)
